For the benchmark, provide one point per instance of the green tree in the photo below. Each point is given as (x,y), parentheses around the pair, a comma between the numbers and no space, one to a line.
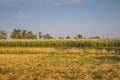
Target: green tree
(16,34)
(39,35)
(47,36)
(61,38)
(3,35)
(96,37)
(79,36)
(68,37)
(30,35)
(24,34)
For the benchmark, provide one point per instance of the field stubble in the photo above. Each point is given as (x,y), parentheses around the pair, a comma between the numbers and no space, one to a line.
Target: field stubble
(59,67)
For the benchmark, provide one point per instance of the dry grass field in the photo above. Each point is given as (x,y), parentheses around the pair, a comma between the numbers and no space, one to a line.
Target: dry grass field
(59,60)
(20,50)
(59,67)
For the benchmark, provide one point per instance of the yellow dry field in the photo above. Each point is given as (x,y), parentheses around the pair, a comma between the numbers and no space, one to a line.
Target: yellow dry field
(20,50)
(54,66)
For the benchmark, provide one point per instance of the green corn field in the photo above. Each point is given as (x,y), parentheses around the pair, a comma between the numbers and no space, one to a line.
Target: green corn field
(82,43)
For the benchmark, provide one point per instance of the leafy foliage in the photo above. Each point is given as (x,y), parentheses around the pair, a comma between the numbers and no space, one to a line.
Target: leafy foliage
(3,35)
(19,34)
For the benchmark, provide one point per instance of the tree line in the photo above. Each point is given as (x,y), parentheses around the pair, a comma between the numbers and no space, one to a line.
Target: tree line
(24,34)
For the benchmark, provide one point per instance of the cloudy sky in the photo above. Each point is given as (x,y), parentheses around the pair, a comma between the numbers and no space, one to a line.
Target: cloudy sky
(62,17)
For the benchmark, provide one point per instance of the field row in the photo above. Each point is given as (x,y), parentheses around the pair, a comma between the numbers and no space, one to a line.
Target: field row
(82,43)
(19,50)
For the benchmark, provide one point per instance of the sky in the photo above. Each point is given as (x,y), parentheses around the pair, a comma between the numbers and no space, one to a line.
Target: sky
(62,17)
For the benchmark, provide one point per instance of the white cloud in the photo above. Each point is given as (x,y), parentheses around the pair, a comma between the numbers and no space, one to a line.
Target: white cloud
(22,15)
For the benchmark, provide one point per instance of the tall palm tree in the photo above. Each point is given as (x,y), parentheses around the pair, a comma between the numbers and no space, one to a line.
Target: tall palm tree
(3,35)
(47,36)
(16,34)
(20,35)
(39,35)
(29,34)
(24,34)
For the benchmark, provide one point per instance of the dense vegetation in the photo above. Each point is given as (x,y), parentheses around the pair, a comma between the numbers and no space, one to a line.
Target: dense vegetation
(3,35)
(24,34)
(76,43)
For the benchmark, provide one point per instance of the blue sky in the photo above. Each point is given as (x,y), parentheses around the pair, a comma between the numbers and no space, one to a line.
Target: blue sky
(62,17)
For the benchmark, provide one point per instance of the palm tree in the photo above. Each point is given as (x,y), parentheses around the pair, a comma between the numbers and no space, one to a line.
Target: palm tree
(29,34)
(24,34)
(20,34)
(34,36)
(3,35)
(16,34)
(39,35)
(48,36)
